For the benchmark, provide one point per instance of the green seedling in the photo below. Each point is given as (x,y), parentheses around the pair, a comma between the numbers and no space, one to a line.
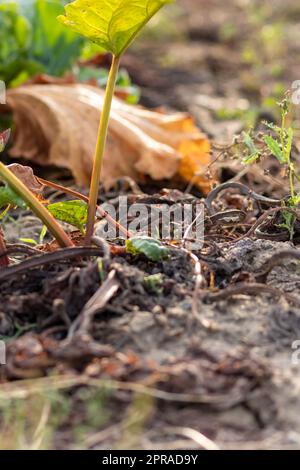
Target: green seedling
(279,144)
(39,241)
(112,25)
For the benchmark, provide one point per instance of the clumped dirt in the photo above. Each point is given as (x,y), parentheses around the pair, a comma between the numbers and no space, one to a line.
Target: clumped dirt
(227,372)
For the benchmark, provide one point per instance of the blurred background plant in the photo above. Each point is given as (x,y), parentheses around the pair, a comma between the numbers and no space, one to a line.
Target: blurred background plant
(32,41)
(31,423)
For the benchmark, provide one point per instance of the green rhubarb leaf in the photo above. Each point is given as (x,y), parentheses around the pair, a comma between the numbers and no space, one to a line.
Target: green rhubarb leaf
(71,212)
(147,246)
(112,24)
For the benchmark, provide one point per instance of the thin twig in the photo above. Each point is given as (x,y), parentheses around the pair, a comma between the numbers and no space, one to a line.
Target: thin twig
(243,190)
(264,216)
(195,436)
(97,302)
(276,260)
(49,258)
(249,289)
(24,249)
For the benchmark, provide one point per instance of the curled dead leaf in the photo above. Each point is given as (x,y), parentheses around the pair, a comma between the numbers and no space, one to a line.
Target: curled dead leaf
(58,124)
(26,175)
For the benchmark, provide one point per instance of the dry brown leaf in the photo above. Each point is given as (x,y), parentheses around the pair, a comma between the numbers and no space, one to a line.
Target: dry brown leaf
(26,175)
(58,124)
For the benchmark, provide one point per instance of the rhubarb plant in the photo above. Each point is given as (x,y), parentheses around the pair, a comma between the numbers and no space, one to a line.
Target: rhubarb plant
(113,25)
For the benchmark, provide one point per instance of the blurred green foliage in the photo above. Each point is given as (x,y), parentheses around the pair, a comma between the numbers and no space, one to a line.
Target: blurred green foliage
(32,41)
(84,73)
